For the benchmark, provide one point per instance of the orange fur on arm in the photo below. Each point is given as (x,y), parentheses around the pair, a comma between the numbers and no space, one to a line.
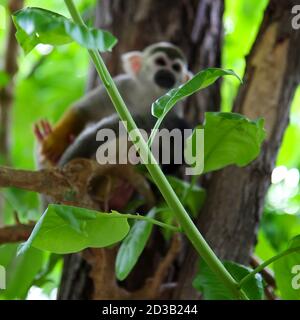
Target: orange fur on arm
(71,124)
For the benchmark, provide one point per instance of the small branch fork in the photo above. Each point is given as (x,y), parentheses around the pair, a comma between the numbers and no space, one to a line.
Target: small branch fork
(73,184)
(104,279)
(267,276)
(70,185)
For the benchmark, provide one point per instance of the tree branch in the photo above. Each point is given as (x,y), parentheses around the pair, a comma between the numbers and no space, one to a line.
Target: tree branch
(15,233)
(266,273)
(80,182)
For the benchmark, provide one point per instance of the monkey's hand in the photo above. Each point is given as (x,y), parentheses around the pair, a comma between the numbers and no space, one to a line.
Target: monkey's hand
(52,142)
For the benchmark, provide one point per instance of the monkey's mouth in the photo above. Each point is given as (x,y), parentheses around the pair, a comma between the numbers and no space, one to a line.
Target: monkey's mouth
(164,79)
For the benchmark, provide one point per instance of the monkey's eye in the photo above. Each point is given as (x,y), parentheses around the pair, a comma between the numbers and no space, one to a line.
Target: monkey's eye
(176,67)
(160,61)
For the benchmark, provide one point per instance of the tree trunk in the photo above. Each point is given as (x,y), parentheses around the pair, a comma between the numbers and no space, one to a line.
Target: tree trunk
(231,215)
(196,27)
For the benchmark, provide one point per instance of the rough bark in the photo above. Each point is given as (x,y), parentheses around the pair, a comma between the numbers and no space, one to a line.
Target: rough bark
(231,215)
(77,183)
(196,27)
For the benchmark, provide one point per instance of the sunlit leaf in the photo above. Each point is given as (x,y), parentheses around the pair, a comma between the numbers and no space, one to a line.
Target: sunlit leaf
(66,229)
(36,25)
(200,81)
(230,138)
(287,272)
(279,228)
(20,270)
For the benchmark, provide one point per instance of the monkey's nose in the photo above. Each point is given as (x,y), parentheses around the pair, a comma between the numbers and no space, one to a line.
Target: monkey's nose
(165,79)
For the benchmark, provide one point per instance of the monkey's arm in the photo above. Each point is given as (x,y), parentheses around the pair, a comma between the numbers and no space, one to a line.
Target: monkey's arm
(85,145)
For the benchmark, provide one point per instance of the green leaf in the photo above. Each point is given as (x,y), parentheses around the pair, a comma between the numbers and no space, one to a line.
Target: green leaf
(200,81)
(43,277)
(4,78)
(36,25)
(279,228)
(166,215)
(133,246)
(20,270)
(295,242)
(287,272)
(66,229)
(229,138)
(192,196)
(212,288)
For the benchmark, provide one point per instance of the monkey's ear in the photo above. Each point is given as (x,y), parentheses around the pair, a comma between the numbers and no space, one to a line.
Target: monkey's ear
(132,62)
(188,75)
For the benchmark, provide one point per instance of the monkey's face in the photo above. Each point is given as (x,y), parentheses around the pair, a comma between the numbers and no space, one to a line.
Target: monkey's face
(164,72)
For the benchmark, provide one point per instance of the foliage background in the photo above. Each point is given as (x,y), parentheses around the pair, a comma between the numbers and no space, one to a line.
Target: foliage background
(50,79)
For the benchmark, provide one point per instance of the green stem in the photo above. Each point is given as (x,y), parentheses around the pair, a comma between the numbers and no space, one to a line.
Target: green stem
(159,178)
(266,263)
(140,217)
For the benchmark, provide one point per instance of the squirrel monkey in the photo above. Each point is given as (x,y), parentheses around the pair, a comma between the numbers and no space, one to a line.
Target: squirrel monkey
(148,75)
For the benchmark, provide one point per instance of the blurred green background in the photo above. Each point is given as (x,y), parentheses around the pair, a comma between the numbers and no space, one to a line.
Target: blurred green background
(50,79)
